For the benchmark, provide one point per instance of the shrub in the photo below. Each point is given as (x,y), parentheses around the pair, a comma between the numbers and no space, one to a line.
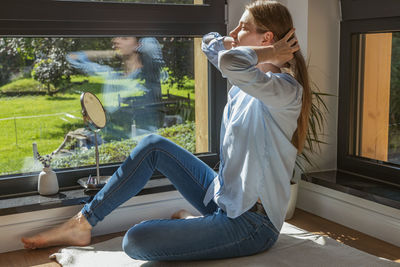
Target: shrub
(22,85)
(181,134)
(115,151)
(118,151)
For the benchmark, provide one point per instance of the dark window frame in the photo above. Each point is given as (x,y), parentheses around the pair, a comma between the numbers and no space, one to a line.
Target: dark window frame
(366,16)
(24,18)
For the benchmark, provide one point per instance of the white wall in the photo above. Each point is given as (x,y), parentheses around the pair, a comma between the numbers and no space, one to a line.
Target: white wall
(317,28)
(135,210)
(323,55)
(299,12)
(298,8)
(235,11)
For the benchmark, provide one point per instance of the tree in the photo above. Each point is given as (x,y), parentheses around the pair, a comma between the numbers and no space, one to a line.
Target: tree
(10,64)
(178,56)
(48,55)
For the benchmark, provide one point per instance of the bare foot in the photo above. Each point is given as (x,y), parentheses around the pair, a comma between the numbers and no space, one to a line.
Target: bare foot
(182,214)
(76,231)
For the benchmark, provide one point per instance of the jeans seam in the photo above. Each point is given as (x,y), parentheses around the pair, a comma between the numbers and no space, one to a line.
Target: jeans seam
(141,161)
(122,182)
(183,167)
(271,226)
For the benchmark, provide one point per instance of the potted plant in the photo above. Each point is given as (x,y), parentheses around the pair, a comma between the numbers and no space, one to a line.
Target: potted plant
(315,126)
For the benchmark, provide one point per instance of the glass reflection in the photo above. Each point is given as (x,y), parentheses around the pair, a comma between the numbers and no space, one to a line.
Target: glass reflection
(132,90)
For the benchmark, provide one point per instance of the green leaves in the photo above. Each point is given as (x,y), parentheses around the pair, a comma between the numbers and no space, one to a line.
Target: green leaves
(117,151)
(316,125)
(181,134)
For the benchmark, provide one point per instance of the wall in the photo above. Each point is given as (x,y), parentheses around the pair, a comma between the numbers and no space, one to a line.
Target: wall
(135,210)
(298,8)
(323,55)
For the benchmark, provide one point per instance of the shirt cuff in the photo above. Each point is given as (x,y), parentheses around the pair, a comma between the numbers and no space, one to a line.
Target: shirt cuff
(214,40)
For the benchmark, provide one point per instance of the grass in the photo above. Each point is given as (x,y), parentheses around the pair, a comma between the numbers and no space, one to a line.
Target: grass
(25,119)
(23,85)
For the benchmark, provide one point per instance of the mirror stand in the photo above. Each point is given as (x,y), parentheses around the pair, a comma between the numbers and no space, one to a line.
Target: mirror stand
(95,119)
(97,179)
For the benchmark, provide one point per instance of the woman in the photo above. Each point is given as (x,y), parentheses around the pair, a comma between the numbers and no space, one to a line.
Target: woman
(263,128)
(141,65)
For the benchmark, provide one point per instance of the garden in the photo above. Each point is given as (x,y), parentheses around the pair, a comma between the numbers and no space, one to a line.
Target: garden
(40,101)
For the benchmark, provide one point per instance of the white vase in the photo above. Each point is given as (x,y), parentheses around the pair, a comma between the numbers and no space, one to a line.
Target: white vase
(294,188)
(47,182)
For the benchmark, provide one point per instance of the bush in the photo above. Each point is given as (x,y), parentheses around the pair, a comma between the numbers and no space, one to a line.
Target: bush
(23,85)
(181,134)
(118,151)
(115,151)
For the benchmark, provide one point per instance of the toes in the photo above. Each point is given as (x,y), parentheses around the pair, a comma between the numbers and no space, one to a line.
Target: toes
(177,214)
(181,214)
(28,244)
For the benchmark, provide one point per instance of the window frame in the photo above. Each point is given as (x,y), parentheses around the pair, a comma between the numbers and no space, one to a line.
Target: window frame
(22,18)
(357,18)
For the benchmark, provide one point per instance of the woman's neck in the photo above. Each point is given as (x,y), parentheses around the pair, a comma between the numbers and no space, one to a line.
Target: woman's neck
(265,67)
(132,63)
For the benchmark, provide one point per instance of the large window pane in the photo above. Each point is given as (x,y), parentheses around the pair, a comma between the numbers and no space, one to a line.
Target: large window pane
(378,120)
(146,85)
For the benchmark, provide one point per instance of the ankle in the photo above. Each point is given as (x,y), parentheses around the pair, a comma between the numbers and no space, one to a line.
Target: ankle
(81,220)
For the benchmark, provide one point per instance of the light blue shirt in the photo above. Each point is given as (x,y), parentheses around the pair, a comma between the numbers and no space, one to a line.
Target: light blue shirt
(256,153)
(116,82)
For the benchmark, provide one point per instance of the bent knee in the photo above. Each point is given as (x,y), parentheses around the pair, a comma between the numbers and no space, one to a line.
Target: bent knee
(154,140)
(137,242)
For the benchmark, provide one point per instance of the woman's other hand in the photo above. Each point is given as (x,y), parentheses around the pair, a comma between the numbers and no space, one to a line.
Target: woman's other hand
(284,49)
(279,52)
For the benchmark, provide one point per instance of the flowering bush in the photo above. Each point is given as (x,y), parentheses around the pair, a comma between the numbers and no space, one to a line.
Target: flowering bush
(47,54)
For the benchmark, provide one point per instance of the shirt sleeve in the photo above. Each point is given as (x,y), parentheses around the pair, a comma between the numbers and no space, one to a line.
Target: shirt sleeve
(274,90)
(150,47)
(83,63)
(212,43)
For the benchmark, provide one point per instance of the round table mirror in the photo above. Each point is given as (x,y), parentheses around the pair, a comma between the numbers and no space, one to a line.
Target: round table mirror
(94,117)
(93,111)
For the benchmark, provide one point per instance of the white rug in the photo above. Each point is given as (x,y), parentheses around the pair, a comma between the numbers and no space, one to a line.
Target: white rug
(295,247)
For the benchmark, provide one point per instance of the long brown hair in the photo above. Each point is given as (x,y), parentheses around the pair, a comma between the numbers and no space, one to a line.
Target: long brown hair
(275,17)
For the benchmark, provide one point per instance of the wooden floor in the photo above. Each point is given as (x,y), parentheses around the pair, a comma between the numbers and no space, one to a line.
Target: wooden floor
(301,219)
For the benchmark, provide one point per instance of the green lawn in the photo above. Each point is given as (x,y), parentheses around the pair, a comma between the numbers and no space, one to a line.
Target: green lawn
(46,120)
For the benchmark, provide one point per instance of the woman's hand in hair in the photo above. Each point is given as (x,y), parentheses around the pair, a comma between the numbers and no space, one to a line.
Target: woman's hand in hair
(280,52)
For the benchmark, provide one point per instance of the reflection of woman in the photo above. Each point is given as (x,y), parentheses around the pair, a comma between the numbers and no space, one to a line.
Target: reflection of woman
(140,74)
(264,127)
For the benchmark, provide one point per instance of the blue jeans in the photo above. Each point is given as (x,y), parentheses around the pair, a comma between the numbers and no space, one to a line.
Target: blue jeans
(212,236)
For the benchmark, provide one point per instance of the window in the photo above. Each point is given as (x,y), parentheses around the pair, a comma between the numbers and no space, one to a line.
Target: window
(369,105)
(378,123)
(189,2)
(51,53)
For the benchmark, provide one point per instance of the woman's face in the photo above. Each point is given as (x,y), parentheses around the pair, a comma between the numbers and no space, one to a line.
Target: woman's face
(245,34)
(125,46)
